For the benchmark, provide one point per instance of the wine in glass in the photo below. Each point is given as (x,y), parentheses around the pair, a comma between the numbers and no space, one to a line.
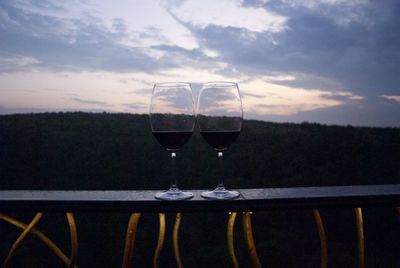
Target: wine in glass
(220,117)
(172,119)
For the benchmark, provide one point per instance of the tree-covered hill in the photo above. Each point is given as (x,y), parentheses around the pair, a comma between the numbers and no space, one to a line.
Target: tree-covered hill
(118,151)
(83,151)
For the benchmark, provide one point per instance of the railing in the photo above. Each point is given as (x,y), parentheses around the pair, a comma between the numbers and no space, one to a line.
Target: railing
(251,200)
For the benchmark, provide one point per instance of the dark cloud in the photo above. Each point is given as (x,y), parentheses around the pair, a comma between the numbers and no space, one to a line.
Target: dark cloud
(361,56)
(25,110)
(179,56)
(76,45)
(136,105)
(342,97)
(388,101)
(40,5)
(59,46)
(102,103)
(247,94)
(365,113)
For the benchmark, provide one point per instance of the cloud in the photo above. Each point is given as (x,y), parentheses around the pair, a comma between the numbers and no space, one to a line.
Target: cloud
(290,57)
(137,105)
(21,110)
(74,43)
(17,62)
(56,39)
(265,98)
(91,102)
(248,94)
(26,110)
(342,12)
(229,13)
(362,58)
(142,91)
(94,49)
(393,98)
(353,113)
(210,53)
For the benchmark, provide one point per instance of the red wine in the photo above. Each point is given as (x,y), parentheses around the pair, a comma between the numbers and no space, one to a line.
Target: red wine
(172,140)
(220,140)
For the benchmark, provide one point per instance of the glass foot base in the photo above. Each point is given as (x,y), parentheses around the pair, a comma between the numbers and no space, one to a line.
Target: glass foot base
(220,194)
(175,194)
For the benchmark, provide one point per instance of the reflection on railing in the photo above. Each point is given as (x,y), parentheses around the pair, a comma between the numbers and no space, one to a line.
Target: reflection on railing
(251,199)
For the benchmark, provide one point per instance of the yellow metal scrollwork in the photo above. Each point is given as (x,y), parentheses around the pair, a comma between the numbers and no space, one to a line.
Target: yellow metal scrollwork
(161,238)
(70,262)
(52,246)
(74,240)
(130,240)
(322,238)
(360,238)
(248,237)
(22,236)
(229,235)
(175,236)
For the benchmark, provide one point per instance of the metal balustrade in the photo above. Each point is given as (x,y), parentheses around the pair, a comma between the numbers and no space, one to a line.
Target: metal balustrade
(251,200)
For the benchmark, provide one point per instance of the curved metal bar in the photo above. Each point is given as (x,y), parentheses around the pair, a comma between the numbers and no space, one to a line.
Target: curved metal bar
(248,237)
(360,238)
(130,240)
(160,242)
(229,235)
(22,236)
(74,240)
(175,236)
(322,238)
(49,243)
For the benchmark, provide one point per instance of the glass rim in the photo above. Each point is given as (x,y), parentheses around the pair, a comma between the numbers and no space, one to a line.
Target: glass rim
(220,83)
(171,84)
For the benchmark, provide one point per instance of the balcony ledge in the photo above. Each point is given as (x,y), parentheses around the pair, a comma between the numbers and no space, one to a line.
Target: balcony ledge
(250,200)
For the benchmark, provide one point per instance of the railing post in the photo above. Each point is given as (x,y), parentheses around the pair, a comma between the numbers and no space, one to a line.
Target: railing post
(130,240)
(248,237)
(322,238)
(229,235)
(74,240)
(175,236)
(160,242)
(360,238)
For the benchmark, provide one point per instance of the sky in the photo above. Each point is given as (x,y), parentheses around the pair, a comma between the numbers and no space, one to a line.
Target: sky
(326,61)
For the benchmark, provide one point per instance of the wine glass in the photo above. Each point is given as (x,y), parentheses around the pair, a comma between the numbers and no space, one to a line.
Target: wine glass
(220,117)
(172,119)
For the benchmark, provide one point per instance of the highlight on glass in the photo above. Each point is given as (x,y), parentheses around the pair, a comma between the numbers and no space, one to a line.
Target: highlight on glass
(172,119)
(220,118)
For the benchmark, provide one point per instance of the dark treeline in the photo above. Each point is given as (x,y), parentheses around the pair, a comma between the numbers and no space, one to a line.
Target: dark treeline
(81,151)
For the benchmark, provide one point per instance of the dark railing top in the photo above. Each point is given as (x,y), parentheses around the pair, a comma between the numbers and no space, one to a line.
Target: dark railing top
(250,199)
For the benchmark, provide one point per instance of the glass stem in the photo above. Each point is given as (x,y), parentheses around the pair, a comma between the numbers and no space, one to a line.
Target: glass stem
(174,186)
(221,171)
